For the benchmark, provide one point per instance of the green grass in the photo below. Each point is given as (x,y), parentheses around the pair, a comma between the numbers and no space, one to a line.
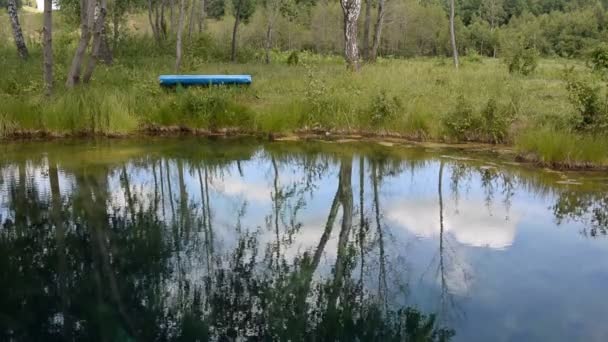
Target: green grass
(413,98)
(557,148)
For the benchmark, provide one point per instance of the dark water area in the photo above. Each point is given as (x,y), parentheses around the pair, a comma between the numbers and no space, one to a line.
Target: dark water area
(237,240)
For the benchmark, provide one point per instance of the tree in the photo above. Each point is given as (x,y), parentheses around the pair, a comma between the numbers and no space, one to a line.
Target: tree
(87,13)
(243,10)
(366,29)
(17,32)
(274,9)
(378,30)
(202,15)
(98,41)
(351,10)
(156,17)
(453,34)
(47,46)
(180,29)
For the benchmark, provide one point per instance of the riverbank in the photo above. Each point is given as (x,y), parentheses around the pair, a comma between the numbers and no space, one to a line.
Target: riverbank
(422,100)
(505,153)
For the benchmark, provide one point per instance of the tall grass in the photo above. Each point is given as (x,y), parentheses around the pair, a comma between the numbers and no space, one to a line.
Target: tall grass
(411,97)
(565,149)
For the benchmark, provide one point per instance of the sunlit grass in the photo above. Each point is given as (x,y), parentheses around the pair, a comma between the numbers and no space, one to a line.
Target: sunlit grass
(319,93)
(564,148)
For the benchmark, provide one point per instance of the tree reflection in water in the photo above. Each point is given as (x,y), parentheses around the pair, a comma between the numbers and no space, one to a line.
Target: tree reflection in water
(84,264)
(146,249)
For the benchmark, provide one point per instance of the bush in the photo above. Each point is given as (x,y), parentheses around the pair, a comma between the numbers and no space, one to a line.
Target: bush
(495,122)
(461,123)
(294,58)
(598,59)
(591,107)
(384,108)
(522,61)
(212,108)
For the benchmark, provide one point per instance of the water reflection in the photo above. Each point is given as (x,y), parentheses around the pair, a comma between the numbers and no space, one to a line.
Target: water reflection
(233,241)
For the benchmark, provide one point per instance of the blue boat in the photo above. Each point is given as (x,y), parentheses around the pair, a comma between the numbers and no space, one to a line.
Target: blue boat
(204,80)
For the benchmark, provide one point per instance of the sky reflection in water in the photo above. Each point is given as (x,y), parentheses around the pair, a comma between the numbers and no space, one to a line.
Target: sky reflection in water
(179,240)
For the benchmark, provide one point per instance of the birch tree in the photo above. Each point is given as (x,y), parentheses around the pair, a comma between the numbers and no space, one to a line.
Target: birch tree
(17,32)
(351,10)
(47,46)
(453,33)
(180,29)
(98,40)
(87,13)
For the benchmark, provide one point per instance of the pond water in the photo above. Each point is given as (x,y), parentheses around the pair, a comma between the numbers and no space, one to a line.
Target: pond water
(195,239)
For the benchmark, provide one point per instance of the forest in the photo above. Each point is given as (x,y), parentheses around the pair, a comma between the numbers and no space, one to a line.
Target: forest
(526,74)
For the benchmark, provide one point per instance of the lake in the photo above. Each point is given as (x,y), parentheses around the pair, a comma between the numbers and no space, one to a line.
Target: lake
(185,239)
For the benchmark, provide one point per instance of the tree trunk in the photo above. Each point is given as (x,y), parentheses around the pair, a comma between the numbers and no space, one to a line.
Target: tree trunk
(17,32)
(268,38)
(201,17)
(351,9)
(115,30)
(191,19)
(453,34)
(237,21)
(47,47)
(171,15)
(342,257)
(62,266)
(100,23)
(87,13)
(366,29)
(378,30)
(180,29)
(153,21)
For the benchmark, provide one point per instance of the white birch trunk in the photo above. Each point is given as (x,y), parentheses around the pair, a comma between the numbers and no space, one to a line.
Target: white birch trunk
(352,10)
(86,22)
(453,34)
(17,32)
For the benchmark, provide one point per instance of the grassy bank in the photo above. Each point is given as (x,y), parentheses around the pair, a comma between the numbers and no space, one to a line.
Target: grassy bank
(421,99)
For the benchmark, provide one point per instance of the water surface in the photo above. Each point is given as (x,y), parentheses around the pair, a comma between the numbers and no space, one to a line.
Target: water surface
(194,239)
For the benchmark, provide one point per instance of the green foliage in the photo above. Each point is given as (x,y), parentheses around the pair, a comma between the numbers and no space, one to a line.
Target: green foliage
(522,60)
(294,58)
(598,59)
(496,122)
(565,149)
(211,108)
(244,9)
(384,108)
(591,106)
(215,8)
(461,123)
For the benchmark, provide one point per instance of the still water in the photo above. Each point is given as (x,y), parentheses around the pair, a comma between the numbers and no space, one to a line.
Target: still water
(194,239)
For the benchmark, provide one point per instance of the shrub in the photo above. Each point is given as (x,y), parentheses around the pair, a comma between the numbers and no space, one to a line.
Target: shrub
(384,108)
(495,122)
(294,58)
(591,107)
(522,60)
(461,123)
(598,59)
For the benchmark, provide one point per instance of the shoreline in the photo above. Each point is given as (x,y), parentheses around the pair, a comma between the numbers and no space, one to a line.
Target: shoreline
(386,139)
